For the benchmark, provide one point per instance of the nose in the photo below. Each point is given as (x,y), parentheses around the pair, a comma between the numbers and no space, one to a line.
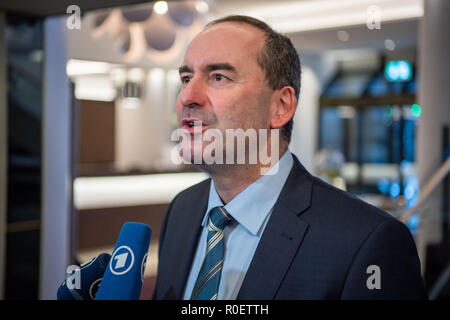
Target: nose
(193,94)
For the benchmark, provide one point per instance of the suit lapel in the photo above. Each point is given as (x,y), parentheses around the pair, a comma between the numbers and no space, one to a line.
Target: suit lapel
(281,238)
(190,228)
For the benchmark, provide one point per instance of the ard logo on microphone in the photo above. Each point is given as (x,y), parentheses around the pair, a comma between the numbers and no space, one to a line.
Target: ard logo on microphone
(122,260)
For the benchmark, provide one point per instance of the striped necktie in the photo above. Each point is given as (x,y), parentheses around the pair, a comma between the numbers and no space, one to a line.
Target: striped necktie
(207,284)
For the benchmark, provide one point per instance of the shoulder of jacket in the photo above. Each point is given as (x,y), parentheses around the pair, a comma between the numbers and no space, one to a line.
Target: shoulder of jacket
(192,193)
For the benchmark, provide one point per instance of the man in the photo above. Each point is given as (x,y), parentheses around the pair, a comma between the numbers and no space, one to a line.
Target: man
(280,235)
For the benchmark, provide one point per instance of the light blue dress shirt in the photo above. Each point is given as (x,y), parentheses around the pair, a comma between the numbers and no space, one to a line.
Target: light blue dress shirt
(251,209)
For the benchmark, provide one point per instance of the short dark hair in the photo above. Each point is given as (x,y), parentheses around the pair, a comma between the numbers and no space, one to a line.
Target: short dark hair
(278,59)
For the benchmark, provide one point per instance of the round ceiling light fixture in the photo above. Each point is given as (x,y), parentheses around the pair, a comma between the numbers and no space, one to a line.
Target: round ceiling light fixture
(160,7)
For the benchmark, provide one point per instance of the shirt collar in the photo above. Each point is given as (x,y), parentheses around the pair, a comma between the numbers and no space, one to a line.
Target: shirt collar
(251,207)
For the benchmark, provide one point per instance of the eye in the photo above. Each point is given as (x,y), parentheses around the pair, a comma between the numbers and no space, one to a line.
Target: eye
(185,79)
(217,77)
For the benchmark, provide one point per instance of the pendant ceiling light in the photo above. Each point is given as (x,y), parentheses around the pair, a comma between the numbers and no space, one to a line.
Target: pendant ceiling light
(151,27)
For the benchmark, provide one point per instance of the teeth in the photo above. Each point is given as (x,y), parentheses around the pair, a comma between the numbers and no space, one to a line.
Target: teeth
(192,124)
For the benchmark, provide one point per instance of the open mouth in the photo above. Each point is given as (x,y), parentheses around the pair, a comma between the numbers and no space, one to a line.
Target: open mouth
(193,125)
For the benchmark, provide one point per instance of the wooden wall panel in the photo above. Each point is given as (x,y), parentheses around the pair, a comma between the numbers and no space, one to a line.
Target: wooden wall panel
(96,132)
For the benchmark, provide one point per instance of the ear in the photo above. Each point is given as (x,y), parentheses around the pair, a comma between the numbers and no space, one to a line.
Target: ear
(283,107)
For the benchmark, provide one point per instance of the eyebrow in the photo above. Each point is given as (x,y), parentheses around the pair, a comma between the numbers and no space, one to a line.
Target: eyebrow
(209,67)
(184,69)
(220,66)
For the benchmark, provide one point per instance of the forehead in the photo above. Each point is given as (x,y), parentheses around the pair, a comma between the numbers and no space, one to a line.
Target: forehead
(232,42)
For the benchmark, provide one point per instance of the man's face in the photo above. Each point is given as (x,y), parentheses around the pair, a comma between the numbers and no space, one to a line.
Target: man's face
(223,86)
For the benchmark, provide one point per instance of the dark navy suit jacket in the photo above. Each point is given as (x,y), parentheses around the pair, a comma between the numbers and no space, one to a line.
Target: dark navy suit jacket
(318,244)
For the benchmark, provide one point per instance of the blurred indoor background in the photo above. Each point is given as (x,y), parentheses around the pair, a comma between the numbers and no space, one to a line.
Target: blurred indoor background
(87,108)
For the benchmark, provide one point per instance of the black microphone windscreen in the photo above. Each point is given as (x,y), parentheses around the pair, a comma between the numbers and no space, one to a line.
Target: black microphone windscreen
(82,282)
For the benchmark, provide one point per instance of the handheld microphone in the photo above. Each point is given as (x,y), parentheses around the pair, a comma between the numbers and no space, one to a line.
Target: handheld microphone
(124,275)
(82,282)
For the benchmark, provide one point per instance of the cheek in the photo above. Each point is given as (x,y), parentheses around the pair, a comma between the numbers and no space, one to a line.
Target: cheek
(226,107)
(249,111)
(178,108)
(240,108)
(234,115)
